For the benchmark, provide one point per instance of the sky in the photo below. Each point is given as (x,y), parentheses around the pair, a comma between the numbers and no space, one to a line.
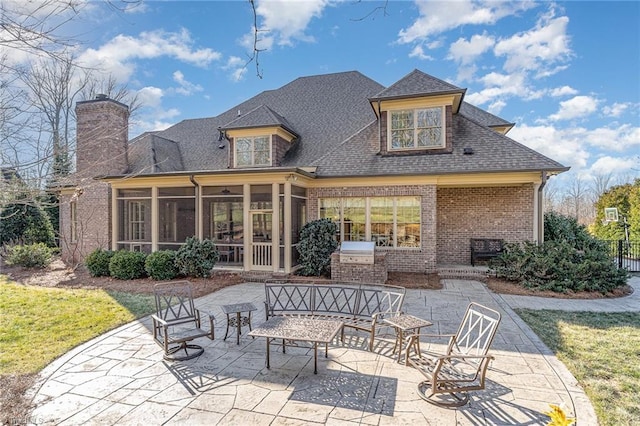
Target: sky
(567,73)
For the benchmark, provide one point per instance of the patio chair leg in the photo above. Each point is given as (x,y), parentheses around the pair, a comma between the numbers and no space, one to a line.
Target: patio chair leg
(458,399)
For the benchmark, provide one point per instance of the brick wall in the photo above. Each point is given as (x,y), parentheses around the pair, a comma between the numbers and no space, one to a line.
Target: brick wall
(422,259)
(496,212)
(360,273)
(102,138)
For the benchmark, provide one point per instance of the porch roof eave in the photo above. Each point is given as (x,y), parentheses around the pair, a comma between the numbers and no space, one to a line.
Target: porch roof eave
(309,172)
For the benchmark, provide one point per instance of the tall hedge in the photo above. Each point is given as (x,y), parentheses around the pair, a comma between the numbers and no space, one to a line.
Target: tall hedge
(317,242)
(26,224)
(569,260)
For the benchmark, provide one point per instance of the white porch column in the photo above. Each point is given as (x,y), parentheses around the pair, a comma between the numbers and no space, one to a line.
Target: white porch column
(275,226)
(155,218)
(247,225)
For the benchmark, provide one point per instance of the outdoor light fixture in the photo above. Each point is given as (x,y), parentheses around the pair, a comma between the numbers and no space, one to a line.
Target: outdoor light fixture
(225,191)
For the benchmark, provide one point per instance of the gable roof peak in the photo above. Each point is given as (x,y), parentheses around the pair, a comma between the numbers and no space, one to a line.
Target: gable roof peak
(417,83)
(260,116)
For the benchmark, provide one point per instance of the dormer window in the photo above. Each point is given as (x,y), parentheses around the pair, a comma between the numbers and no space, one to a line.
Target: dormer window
(253,151)
(420,128)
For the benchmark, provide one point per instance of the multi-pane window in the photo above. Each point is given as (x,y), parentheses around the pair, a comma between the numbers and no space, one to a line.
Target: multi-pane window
(416,128)
(137,214)
(253,151)
(389,221)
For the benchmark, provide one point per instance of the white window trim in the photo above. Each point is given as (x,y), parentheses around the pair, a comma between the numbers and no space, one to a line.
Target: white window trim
(136,208)
(252,138)
(443,137)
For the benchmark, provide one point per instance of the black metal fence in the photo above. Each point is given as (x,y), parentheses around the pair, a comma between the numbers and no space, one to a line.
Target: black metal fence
(626,254)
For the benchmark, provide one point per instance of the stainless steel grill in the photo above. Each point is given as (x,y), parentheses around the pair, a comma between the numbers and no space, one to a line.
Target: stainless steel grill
(357,252)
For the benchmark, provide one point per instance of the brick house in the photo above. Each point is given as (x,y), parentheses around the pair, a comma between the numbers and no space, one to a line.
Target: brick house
(412,167)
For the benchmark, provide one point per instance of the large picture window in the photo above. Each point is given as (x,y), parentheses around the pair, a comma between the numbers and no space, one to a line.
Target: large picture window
(253,151)
(389,221)
(416,128)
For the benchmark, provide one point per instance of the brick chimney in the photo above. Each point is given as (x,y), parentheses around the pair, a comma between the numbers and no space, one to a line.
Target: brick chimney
(102,127)
(102,137)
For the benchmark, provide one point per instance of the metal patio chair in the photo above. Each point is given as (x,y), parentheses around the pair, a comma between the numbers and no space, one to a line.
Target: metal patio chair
(462,366)
(177,321)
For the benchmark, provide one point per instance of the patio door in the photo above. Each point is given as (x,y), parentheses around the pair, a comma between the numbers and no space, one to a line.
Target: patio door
(261,241)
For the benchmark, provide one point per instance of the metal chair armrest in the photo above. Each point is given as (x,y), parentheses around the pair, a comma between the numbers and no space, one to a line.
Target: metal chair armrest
(210,317)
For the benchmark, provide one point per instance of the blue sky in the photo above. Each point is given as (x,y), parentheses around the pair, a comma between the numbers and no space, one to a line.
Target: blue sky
(567,73)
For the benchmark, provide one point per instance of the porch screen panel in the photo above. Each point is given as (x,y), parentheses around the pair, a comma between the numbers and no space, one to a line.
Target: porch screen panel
(177,216)
(298,219)
(134,219)
(408,221)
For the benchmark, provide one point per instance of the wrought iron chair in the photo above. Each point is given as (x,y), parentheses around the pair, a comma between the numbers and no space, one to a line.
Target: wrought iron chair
(177,321)
(462,366)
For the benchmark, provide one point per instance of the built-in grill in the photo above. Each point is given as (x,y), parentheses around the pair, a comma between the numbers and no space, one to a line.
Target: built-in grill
(357,252)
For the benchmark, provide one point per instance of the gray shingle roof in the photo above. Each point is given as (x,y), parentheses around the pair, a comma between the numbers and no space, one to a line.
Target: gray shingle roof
(493,152)
(337,131)
(414,84)
(482,116)
(261,116)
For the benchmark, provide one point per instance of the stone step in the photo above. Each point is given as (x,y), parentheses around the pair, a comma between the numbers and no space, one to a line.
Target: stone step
(463,272)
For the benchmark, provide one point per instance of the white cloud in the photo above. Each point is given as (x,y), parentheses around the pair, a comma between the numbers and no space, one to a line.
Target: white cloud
(440,16)
(616,165)
(496,107)
(237,66)
(282,21)
(563,91)
(615,110)
(576,107)
(152,116)
(540,49)
(418,52)
(619,138)
(118,56)
(466,51)
(186,88)
(500,86)
(563,145)
(150,96)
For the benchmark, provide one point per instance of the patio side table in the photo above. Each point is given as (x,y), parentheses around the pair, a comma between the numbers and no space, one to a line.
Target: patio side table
(404,323)
(236,319)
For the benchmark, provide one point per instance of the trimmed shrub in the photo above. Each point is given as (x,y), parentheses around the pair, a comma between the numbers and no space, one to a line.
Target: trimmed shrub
(30,255)
(127,265)
(317,242)
(161,265)
(26,223)
(571,260)
(197,258)
(98,262)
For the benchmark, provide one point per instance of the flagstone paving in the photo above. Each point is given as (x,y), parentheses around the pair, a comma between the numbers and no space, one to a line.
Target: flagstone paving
(121,377)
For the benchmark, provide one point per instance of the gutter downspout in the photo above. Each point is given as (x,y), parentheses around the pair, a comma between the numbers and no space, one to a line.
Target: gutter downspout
(197,201)
(540,206)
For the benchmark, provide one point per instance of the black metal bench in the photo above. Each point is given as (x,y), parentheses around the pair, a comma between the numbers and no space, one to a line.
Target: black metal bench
(485,248)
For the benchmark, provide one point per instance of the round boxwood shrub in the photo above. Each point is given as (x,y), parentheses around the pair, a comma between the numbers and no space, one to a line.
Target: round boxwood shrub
(197,258)
(127,265)
(30,255)
(98,262)
(317,242)
(161,265)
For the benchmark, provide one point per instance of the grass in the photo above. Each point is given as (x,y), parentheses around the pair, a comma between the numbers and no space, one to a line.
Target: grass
(602,351)
(38,324)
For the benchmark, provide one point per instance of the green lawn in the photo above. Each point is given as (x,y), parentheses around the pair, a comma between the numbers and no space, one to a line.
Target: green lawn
(602,350)
(38,324)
